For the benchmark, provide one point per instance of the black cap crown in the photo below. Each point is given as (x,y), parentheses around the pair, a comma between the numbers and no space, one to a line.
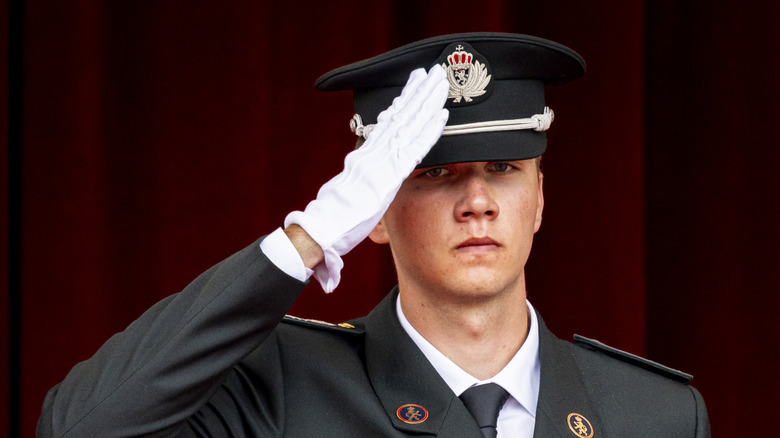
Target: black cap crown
(493,77)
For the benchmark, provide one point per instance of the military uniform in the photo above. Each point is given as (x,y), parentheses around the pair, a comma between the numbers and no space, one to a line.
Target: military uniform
(220,359)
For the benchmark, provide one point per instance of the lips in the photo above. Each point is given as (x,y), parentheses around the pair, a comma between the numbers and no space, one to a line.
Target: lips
(477,242)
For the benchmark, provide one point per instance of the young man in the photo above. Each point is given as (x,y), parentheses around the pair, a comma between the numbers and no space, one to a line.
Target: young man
(454,351)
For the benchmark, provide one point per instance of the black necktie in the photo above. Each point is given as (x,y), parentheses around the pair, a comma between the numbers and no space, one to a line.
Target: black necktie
(484,402)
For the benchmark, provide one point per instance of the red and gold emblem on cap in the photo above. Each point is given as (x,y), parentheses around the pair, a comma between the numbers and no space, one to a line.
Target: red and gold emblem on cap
(412,414)
(468,77)
(580,425)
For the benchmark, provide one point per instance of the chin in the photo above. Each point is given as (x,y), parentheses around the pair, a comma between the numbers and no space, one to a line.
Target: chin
(485,283)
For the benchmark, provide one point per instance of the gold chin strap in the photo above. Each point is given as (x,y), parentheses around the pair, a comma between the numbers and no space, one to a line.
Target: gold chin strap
(537,122)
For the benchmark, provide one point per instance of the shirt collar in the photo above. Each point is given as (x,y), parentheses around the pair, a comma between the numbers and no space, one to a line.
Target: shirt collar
(520,377)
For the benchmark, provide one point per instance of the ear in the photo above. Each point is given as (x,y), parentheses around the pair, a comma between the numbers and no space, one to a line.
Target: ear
(540,204)
(379,233)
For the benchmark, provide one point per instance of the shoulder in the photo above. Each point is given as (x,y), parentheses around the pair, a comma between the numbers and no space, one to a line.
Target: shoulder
(302,340)
(628,377)
(601,349)
(633,393)
(619,380)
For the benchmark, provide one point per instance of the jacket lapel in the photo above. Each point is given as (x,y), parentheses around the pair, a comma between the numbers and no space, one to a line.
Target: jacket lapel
(561,391)
(402,376)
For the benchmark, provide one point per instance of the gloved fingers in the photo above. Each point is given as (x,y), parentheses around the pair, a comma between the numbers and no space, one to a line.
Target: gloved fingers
(438,98)
(422,130)
(425,104)
(409,136)
(429,110)
(425,92)
(407,105)
(416,77)
(429,135)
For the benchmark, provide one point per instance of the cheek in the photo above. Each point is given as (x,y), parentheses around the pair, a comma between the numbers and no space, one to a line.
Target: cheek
(522,207)
(405,222)
(414,222)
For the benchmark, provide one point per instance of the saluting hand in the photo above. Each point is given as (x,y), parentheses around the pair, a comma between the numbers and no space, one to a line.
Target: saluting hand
(349,206)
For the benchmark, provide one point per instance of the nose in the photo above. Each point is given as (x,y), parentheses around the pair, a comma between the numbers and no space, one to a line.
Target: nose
(477,201)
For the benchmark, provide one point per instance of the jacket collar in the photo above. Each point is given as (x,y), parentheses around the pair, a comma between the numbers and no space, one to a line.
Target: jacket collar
(561,389)
(401,375)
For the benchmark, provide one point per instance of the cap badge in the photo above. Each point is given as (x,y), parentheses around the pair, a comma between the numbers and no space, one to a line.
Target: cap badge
(580,425)
(467,79)
(412,414)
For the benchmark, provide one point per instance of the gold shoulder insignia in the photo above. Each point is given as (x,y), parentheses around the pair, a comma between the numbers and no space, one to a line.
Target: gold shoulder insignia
(316,323)
(641,362)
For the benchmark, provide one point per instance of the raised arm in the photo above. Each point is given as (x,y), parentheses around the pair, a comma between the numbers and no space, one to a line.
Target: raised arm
(160,371)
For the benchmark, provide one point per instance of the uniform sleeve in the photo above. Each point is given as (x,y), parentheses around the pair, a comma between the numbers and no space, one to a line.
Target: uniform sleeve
(150,378)
(281,252)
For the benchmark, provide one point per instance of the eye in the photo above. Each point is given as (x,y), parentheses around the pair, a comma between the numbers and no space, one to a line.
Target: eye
(436,172)
(501,167)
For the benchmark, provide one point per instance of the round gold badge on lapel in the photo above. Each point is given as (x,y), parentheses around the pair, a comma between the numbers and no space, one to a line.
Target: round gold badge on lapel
(412,414)
(580,425)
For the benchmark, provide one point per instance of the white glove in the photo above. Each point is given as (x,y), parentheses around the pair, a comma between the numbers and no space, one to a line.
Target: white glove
(349,206)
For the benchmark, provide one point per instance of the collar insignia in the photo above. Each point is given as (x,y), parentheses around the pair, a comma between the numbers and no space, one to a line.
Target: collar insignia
(412,414)
(580,425)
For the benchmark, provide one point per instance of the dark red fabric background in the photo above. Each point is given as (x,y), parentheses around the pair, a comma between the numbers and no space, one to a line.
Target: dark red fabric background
(160,137)
(5,280)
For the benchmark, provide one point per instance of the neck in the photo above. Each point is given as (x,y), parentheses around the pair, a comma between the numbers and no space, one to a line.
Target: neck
(479,334)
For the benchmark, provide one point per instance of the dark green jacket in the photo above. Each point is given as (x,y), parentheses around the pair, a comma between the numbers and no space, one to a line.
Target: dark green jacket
(219,359)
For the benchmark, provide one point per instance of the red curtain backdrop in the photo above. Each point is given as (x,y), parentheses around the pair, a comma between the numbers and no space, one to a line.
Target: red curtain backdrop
(160,137)
(5,281)
(713,201)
